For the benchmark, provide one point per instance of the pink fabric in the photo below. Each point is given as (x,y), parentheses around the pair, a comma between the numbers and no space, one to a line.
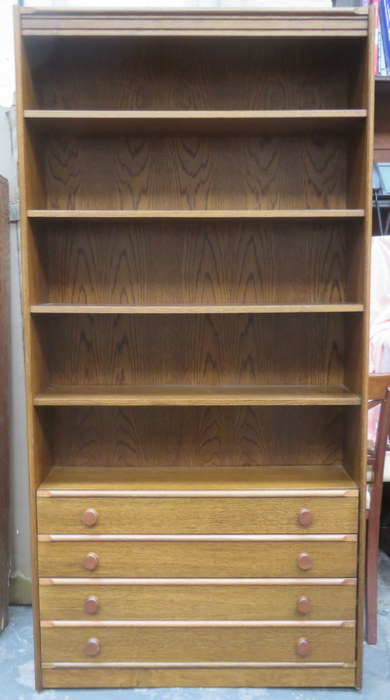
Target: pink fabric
(379,351)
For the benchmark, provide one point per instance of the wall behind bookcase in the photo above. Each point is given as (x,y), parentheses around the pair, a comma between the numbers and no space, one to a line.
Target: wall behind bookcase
(20,548)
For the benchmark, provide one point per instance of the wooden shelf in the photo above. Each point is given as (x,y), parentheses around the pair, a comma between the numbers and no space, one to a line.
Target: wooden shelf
(189,478)
(195,214)
(266,395)
(194,121)
(52,308)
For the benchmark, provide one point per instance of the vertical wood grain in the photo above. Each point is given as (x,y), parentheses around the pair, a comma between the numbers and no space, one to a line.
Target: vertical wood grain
(195,172)
(194,436)
(153,73)
(207,349)
(196,262)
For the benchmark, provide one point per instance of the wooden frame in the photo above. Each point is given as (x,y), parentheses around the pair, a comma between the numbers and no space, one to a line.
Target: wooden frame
(196,303)
(379,395)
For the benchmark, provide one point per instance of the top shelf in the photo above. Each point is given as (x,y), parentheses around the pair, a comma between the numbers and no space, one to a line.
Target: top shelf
(194,121)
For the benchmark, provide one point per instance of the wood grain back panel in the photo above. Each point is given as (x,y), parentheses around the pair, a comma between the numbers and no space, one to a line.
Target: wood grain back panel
(209,349)
(195,262)
(196,172)
(194,436)
(186,74)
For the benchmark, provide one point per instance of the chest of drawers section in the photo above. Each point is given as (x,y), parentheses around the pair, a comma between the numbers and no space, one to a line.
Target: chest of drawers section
(257,580)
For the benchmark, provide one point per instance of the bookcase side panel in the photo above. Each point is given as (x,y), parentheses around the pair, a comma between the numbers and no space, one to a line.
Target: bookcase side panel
(30,188)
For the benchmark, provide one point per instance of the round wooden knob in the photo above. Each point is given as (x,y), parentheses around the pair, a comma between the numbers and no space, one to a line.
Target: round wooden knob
(92,647)
(91,560)
(303,647)
(91,604)
(89,517)
(305,561)
(304,605)
(305,517)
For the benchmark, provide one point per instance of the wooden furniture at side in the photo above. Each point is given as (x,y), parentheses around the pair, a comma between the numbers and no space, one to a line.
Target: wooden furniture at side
(381,120)
(5,555)
(381,136)
(378,394)
(196,210)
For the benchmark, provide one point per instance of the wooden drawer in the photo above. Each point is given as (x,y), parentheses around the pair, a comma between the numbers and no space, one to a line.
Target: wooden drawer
(195,515)
(169,600)
(98,676)
(188,643)
(200,557)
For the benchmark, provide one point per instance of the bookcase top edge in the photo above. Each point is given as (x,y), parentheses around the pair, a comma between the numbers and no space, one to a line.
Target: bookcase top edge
(57,22)
(219,11)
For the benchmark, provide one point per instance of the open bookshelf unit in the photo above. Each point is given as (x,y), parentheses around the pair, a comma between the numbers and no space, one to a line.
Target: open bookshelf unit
(196,212)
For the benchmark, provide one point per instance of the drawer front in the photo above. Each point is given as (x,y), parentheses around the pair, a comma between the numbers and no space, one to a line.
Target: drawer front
(172,601)
(302,675)
(197,515)
(197,644)
(242,559)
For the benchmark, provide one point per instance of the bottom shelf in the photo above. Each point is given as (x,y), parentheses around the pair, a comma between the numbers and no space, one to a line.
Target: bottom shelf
(127,480)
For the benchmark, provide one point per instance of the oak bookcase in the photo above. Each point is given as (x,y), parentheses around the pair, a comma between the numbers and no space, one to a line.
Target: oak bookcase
(196,212)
